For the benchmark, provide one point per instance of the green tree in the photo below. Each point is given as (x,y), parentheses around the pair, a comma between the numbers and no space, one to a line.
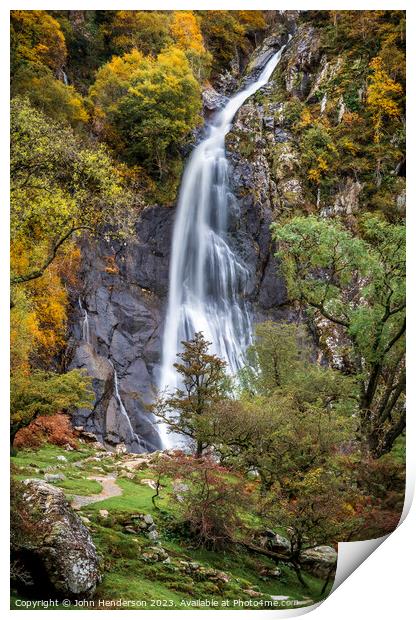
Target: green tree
(160,109)
(44,393)
(357,285)
(203,383)
(147,31)
(293,414)
(57,100)
(224,37)
(314,510)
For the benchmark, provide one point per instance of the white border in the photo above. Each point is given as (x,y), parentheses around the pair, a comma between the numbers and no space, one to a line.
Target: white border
(382,586)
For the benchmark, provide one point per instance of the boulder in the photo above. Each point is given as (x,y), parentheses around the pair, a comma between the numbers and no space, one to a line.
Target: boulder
(212,100)
(279,544)
(52,543)
(319,561)
(54,477)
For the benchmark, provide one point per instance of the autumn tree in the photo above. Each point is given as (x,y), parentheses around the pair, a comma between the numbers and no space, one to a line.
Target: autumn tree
(147,31)
(36,37)
(37,393)
(314,510)
(357,285)
(209,498)
(382,97)
(58,188)
(186,33)
(150,104)
(203,383)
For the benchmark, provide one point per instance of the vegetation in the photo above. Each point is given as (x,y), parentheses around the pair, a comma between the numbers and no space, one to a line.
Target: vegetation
(306,446)
(357,284)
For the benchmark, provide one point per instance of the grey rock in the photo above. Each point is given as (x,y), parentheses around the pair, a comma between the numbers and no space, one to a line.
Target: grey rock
(54,477)
(279,544)
(58,549)
(319,561)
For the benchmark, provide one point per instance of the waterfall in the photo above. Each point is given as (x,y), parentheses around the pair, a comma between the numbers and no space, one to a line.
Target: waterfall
(207,280)
(85,326)
(130,437)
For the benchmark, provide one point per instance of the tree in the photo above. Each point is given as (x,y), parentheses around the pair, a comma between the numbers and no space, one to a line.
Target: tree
(160,109)
(149,105)
(58,188)
(147,31)
(357,286)
(224,37)
(44,393)
(36,37)
(293,414)
(57,100)
(187,35)
(314,510)
(381,97)
(211,499)
(204,383)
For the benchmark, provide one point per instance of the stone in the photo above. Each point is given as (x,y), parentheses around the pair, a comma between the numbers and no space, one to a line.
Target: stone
(148,519)
(57,549)
(252,593)
(153,535)
(103,513)
(149,482)
(62,458)
(279,544)
(319,561)
(130,529)
(212,100)
(54,477)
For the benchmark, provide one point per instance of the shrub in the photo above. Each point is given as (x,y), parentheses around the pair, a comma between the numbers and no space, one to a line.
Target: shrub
(55,429)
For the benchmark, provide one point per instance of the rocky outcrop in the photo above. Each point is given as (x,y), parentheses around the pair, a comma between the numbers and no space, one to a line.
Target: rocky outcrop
(320,561)
(301,60)
(50,544)
(123,297)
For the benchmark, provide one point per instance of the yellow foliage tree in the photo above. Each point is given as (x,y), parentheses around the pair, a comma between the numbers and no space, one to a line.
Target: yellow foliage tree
(381,97)
(186,33)
(37,37)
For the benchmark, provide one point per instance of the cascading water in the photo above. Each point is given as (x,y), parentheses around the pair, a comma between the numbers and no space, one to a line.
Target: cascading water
(129,435)
(207,280)
(85,326)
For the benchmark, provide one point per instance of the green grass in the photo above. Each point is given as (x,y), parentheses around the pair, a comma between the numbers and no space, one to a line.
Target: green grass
(156,585)
(80,486)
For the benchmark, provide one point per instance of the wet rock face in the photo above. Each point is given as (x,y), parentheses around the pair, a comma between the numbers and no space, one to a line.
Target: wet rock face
(124,293)
(52,546)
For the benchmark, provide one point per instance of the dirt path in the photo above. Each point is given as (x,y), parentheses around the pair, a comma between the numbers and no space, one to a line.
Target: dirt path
(110,489)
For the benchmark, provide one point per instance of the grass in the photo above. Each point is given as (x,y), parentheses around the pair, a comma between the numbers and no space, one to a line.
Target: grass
(126,574)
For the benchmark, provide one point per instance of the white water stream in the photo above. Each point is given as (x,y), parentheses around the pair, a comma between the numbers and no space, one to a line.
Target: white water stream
(207,280)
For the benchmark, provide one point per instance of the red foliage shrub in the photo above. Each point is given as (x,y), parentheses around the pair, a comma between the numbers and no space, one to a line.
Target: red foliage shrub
(55,429)
(209,498)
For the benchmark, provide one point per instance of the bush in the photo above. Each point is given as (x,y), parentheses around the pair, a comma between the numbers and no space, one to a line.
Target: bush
(55,429)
